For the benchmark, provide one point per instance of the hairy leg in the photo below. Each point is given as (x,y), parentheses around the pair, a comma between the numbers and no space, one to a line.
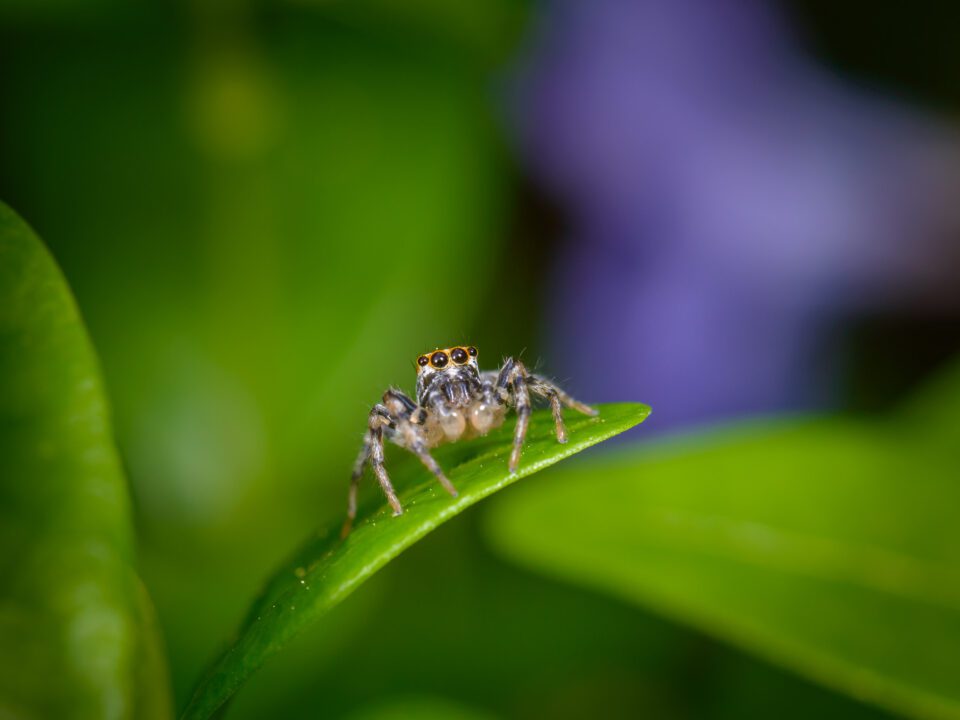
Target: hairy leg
(541,386)
(402,418)
(372,453)
(409,433)
(419,448)
(512,386)
(558,398)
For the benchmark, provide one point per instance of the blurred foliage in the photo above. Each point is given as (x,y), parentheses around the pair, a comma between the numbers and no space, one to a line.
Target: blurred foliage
(78,633)
(424,708)
(827,545)
(266,212)
(327,569)
(449,619)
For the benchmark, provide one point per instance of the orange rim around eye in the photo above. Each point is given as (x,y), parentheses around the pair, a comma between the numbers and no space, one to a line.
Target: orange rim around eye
(459,355)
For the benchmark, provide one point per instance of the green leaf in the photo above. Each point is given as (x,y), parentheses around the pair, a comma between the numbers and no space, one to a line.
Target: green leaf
(326,569)
(829,546)
(419,707)
(78,636)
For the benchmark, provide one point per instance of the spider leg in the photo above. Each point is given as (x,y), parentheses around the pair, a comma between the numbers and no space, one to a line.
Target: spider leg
(558,423)
(421,451)
(541,386)
(558,398)
(354,486)
(513,387)
(409,434)
(372,453)
(512,384)
(403,419)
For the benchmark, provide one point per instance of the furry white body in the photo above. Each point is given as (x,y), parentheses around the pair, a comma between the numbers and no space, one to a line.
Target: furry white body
(478,417)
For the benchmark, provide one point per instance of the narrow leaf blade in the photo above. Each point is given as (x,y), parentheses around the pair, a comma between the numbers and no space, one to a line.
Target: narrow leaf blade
(326,569)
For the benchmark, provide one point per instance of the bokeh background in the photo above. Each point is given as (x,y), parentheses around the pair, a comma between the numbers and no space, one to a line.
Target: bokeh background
(726,210)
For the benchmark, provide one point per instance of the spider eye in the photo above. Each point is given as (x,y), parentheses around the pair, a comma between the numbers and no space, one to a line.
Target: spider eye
(472,350)
(438,359)
(422,360)
(458,355)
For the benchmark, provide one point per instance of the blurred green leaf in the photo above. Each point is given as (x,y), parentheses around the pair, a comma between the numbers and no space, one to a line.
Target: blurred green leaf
(420,707)
(325,570)
(311,188)
(828,546)
(930,415)
(485,34)
(78,634)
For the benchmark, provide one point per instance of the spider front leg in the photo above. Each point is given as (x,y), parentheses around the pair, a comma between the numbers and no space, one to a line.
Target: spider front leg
(402,419)
(512,389)
(514,386)
(372,452)
(409,433)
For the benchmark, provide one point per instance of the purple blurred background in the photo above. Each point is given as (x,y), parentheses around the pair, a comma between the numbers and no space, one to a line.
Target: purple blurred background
(729,203)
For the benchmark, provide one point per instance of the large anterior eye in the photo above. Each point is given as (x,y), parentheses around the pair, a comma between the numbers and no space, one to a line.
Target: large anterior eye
(438,359)
(458,355)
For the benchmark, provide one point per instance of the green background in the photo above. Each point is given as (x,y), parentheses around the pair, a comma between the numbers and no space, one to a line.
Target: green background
(265,211)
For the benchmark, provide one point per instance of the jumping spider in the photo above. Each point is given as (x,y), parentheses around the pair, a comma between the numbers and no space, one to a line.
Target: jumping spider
(455,400)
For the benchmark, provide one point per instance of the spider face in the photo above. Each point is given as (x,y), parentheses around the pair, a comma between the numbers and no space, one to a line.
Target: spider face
(448,377)
(447,358)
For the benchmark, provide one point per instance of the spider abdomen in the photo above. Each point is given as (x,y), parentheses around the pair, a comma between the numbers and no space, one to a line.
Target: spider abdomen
(452,424)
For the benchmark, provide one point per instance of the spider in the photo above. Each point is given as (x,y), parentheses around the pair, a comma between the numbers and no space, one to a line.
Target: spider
(455,401)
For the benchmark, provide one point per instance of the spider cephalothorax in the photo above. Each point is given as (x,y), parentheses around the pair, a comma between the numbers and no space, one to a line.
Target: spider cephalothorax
(455,400)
